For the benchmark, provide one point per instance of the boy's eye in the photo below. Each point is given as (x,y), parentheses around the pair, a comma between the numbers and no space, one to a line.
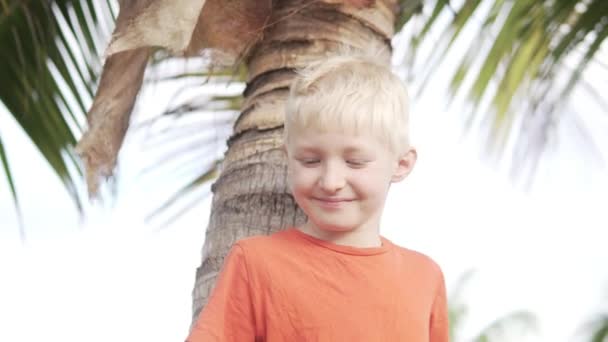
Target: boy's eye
(357,163)
(309,161)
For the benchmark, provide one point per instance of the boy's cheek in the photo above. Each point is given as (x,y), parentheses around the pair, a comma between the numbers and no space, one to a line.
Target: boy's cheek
(297,185)
(291,177)
(300,176)
(298,188)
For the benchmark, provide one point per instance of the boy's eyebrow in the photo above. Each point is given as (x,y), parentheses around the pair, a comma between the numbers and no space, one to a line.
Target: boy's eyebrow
(353,149)
(356,149)
(306,149)
(349,149)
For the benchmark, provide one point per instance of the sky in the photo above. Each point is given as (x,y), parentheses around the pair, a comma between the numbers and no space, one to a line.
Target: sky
(114,277)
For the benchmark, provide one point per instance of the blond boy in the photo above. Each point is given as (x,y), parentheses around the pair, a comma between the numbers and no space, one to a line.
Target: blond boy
(335,278)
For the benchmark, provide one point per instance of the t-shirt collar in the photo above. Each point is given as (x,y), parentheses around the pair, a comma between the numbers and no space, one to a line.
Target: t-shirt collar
(363,251)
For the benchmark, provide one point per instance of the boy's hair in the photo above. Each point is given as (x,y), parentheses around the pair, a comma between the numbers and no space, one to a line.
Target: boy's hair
(353,94)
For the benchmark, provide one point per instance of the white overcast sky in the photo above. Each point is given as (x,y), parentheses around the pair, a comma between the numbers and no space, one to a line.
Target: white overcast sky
(114,278)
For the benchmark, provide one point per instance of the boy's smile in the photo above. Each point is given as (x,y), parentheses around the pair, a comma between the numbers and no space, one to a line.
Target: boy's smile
(332,203)
(340,180)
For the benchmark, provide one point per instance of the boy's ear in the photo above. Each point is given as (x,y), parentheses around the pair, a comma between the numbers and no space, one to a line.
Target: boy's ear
(405,164)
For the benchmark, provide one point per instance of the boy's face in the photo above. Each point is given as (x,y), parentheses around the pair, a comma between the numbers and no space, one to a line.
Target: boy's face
(341,180)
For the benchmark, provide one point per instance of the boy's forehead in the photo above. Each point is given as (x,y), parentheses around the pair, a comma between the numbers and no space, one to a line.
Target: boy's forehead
(313,140)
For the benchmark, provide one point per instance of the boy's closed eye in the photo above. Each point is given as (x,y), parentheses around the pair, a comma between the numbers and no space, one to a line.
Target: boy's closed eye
(354,163)
(309,161)
(357,163)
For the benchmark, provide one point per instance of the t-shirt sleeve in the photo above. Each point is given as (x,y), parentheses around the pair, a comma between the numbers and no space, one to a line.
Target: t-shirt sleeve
(228,315)
(439,315)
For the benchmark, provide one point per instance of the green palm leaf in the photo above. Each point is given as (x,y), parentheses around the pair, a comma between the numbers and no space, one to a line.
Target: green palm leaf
(11,184)
(601,330)
(51,76)
(517,323)
(48,70)
(595,329)
(526,44)
(504,328)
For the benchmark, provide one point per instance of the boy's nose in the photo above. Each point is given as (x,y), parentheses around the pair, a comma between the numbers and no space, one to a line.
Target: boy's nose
(331,180)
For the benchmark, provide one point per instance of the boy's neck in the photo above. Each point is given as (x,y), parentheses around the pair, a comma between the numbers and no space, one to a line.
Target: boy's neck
(359,237)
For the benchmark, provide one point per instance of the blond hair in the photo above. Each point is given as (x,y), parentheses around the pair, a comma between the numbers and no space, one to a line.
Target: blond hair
(353,94)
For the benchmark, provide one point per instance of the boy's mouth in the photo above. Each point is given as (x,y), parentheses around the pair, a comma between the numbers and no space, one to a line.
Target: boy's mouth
(332,203)
(332,199)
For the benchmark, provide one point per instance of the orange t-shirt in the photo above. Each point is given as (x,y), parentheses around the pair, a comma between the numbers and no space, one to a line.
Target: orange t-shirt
(293,287)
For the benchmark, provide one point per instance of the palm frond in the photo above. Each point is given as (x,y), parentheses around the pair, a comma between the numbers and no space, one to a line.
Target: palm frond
(506,327)
(595,329)
(514,62)
(55,72)
(11,185)
(458,310)
(48,69)
(601,330)
(515,323)
(185,140)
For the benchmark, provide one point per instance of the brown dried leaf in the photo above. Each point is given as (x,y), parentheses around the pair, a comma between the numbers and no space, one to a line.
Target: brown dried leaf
(230,26)
(162,23)
(182,27)
(188,26)
(109,116)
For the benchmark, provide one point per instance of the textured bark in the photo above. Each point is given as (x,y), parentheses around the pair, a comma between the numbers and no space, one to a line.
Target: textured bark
(251,196)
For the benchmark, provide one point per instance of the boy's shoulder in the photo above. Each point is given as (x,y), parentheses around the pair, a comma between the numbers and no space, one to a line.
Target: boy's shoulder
(414,255)
(419,261)
(264,244)
(270,253)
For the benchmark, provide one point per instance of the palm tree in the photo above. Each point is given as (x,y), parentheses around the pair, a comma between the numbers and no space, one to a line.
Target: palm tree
(270,40)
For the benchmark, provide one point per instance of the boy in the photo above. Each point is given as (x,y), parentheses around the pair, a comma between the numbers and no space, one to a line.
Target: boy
(334,278)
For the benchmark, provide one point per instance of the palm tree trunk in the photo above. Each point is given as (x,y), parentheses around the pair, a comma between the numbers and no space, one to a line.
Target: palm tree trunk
(251,196)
